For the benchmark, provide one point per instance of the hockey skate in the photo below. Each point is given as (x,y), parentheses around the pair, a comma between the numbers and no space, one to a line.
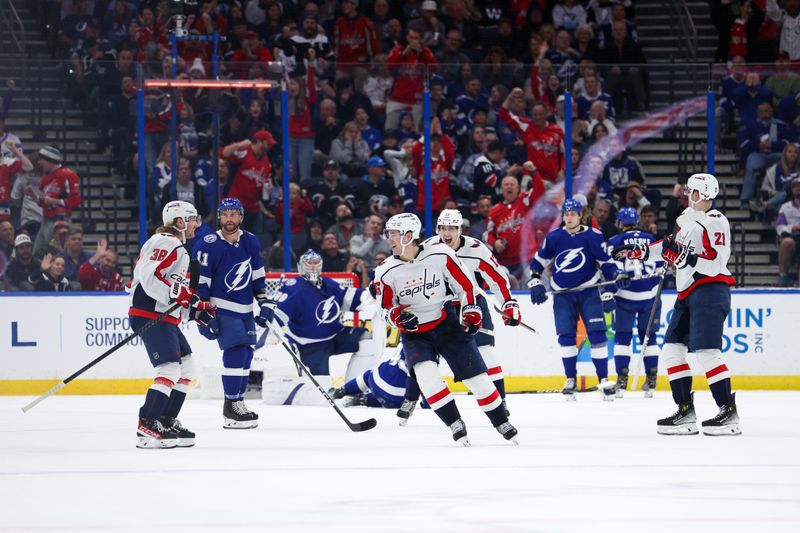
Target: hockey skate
(151,433)
(405,411)
(649,385)
(237,416)
(354,401)
(459,430)
(508,432)
(185,437)
(570,389)
(621,384)
(726,423)
(337,394)
(607,389)
(683,422)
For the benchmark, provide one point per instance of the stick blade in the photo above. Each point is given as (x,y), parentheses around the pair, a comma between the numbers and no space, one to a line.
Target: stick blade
(366,425)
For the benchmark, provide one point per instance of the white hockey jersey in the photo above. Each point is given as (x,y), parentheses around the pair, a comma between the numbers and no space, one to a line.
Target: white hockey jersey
(708,236)
(480,263)
(162,261)
(424,284)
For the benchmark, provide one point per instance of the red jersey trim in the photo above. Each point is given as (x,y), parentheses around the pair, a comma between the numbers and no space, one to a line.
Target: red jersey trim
(135,311)
(498,279)
(719,278)
(427,326)
(462,280)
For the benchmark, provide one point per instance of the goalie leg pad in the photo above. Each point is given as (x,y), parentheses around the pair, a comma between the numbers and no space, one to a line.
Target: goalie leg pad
(362,360)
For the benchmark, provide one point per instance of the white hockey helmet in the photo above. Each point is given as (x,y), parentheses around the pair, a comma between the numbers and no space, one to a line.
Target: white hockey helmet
(706,184)
(450,217)
(404,222)
(178,209)
(310,267)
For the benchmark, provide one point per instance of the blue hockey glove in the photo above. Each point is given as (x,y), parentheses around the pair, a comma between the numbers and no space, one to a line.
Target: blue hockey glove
(538,292)
(211,330)
(266,315)
(622,280)
(609,305)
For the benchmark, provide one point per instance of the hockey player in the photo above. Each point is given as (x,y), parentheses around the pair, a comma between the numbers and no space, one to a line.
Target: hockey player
(159,281)
(383,386)
(699,250)
(635,303)
(231,276)
(579,260)
(416,287)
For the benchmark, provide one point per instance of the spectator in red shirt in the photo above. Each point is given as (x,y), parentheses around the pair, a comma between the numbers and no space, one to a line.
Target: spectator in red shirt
(504,229)
(59,194)
(545,141)
(354,38)
(302,97)
(250,52)
(252,176)
(407,63)
(99,273)
(443,154)
(300,208)
(8,169)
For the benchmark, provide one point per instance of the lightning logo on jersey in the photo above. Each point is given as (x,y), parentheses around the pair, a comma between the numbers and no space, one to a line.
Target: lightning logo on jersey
(328,311)
(239,276)
(570,260)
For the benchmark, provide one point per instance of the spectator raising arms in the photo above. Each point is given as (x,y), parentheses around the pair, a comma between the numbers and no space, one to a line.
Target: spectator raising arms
(59,194)
(252,176)
(50,278)
(408,64)
(9,167)
(99,273)
(443,153)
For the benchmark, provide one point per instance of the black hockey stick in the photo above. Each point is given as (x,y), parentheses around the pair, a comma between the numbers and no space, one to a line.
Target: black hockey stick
(194,279)
(650,319)
(358,426)
(521,323)
(602,284)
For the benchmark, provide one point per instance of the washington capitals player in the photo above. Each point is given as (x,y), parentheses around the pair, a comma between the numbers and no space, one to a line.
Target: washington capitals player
(635,303)
(159,281)
(699,250)
(579,260)
(416,286)
(231,276)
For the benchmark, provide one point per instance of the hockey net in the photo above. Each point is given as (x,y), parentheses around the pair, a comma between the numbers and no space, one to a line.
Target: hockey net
(345,279)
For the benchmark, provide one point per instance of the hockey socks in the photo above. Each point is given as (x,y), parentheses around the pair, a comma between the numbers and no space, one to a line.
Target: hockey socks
(235,375)
(176,398)
(569,357)
(650,361)
(488,398)
(622,362)
(436,391)
(600,360)
(156,399)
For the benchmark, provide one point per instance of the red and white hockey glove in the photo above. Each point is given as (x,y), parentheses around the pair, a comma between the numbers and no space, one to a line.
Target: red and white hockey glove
(677,254)
(511,314)
(182,294)
(202,312)
(405,321)
(471,318)
(632,251)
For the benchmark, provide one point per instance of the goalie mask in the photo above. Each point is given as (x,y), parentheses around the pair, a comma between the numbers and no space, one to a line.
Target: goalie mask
(310,267)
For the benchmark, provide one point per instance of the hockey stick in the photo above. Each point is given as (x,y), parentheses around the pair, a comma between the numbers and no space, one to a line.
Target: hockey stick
(194,279)
(521,323)
(637,368)
(601,284)
(358,426)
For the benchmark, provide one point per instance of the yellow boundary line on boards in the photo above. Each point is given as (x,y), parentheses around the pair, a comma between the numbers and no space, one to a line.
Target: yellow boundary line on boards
(513,384)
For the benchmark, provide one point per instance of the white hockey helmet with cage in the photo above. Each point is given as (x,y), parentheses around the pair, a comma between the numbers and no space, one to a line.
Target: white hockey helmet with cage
(705,184)
(310,267)
(450,217)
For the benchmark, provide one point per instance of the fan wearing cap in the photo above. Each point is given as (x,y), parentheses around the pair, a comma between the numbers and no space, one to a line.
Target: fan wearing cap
(59,194)
(21,266)
(9,167)
(375,182)
(252,175)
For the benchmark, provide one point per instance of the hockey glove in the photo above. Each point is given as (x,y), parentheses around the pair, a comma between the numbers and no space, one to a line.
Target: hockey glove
(405,321)
(210,331)
(471,318)
(677,254)
(609,305)
(511,314)
(202,312)
(538,292)
(632,251)
(621,280)
(266,315)
(182,294)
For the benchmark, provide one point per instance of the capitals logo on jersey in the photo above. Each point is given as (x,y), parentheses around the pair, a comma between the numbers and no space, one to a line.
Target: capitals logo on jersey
(328,311)
(570,260)
(424,285)
(239,276)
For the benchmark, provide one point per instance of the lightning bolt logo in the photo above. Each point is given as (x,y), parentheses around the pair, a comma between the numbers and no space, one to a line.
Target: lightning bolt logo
(239,276)
(327,311)
(570,260)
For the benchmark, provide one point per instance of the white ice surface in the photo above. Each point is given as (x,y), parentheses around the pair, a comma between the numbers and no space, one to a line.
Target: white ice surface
(71,465)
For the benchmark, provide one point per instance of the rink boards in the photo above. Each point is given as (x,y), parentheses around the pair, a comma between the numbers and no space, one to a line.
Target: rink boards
(45,338)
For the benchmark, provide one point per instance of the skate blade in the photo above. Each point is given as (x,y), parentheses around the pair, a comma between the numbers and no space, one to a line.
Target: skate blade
(619,394)
(608,397)
(570,397)
(403,422)
(648,394)
(185,443)
(149,443)
(514,440)
(730,430)
(464,441)
(683,429)
(239,424)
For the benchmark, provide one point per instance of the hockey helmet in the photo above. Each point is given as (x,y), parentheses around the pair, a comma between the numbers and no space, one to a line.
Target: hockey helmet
(404,222)
(450,217)
(310,267)
(178,209)
(628,216)
(705,184)
(571,204)
(230,204)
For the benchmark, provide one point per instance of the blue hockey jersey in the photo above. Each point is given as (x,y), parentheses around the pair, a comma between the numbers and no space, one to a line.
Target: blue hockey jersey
(312,313)
(230,274)
(578,258)
(644,289)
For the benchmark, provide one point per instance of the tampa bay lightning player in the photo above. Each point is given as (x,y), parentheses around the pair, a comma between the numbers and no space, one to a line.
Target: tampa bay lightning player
(383,386)
(231,276)
(579,260)
(635,303)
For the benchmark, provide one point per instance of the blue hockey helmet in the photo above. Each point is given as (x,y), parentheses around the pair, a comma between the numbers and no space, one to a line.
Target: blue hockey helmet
(571,204)
(230,204)
(628,216)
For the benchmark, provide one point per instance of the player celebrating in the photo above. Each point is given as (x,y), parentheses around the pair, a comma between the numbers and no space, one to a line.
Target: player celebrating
(231,275)
(159,281)
(699,250)
(414,286)
(635,302)
(579,260)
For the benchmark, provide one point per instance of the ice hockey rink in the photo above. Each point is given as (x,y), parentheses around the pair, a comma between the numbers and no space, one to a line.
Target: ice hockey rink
(70,465)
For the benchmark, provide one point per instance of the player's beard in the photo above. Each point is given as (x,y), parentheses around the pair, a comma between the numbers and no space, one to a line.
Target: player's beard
(230,228)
